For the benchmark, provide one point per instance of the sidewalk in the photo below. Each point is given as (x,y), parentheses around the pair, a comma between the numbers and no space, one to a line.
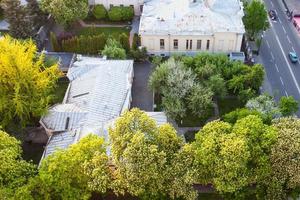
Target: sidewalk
(83,24)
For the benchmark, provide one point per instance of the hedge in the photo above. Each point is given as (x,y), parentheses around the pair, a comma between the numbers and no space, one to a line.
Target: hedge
(84,44)
(99,12)
(118,13)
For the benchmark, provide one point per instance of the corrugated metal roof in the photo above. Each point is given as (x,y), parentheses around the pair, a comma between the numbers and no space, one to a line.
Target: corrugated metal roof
(59,141)
(96,95)
(159,117)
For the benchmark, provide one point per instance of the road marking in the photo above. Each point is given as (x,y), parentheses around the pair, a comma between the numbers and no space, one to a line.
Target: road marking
(288,39)
(272,4)
(279,20)
(283,29)
(268,44)
(288,64)
(276,67)
(293,49)
(286,94)
(272,55)
(281,81)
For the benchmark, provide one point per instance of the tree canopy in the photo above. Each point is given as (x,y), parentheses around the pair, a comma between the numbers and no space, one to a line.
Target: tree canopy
(147,158)
(285,159)
(73,173)
(66,12)
(256,18)
(20,26)
(26,84)
(14,171)
(233,157)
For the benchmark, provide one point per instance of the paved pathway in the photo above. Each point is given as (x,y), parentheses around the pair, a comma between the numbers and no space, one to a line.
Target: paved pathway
(135,28)
(142,97)
(83,24)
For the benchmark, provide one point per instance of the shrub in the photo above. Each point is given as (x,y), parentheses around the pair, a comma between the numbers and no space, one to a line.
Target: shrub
(118,13)
(135,41)
(124,41)
(127,13)
(64,36)
(114,50)
(99,12)
(115,14)
(139,54)
(288,105)
(54,43)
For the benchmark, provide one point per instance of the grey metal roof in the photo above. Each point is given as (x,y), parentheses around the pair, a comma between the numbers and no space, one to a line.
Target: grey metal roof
(96,95)
(159,117)
(59,141)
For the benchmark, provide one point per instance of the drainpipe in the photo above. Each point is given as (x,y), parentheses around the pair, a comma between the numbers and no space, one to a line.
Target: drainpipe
(169,44)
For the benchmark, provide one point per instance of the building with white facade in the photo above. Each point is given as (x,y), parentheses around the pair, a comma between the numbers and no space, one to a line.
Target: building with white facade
(99,91)
(136,4)
(191,26)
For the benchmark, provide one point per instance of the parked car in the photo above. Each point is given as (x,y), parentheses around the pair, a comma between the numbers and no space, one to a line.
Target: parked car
(272,14)
(293,57)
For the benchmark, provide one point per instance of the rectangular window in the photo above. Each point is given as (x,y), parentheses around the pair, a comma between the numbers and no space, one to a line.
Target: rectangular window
(207,45)
(221,45)
(187,44)
(162,44)
(175,43)
(191,44)
(199,44)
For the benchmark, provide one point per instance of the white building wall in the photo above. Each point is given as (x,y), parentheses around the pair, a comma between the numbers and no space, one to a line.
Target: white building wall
(137,4)
(218,43)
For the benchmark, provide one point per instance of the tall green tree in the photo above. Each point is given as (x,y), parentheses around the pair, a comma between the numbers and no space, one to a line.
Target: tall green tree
(26,84)
(66,12)
(288,105)
(256,18)
(146,158)
(20,26)
(233,157)
(35,15)
(73,173)
(14,171)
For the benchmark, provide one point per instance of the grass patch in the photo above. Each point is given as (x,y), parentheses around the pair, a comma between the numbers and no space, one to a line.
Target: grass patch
(229,104)
(108,31)
(59,91)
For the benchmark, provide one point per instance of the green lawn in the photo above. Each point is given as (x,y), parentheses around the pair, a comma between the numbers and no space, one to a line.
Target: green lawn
(108,31)
(59,92)
(229,104)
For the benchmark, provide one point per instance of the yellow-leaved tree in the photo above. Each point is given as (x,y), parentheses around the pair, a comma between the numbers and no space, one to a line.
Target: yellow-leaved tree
(26,83)
(152,162)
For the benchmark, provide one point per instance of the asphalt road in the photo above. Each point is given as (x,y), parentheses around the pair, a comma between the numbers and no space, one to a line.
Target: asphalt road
(282,76)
